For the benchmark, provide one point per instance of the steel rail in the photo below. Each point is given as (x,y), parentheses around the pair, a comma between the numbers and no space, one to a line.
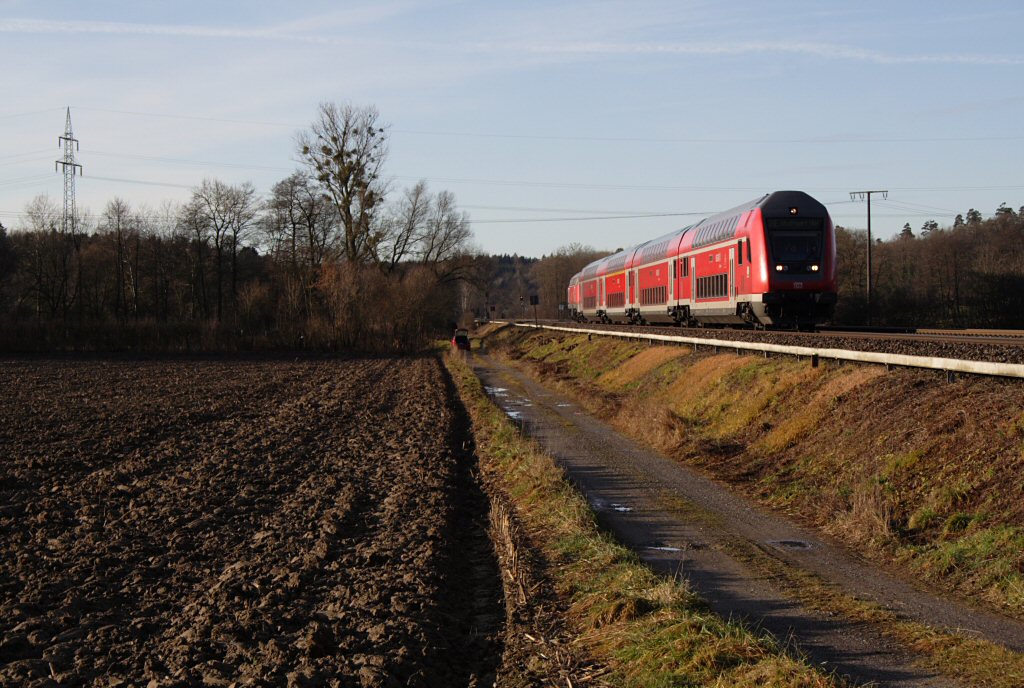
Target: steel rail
(948,365)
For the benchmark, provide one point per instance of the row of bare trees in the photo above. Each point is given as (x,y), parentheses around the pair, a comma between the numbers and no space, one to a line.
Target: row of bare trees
(331,258)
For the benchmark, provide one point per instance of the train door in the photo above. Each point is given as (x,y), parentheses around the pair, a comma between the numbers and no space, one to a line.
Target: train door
(632,288)
(671,296)
(732,275)
(693,279)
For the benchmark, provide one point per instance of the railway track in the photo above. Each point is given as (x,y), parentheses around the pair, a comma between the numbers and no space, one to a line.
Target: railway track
(1007,337)
(996,346)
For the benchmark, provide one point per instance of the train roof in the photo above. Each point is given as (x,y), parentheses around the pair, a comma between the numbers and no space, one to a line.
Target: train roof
(665,246)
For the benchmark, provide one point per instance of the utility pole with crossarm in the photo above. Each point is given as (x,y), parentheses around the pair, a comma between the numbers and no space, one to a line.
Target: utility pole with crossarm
(861,195)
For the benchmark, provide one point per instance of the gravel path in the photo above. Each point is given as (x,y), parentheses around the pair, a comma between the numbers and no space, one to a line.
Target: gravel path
(636,494)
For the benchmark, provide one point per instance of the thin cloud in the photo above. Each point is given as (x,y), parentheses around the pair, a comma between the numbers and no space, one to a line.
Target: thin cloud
(820,50)
(40,26)
(823,50)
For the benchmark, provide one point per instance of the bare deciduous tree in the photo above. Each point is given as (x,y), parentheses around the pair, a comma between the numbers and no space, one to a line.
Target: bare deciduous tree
(300,224)
(446,234)
(223,214)
(345,149)
(117,221)
(403,227)
(427,230)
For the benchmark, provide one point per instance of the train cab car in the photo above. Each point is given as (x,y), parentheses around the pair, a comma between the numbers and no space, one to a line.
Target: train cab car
(791,274)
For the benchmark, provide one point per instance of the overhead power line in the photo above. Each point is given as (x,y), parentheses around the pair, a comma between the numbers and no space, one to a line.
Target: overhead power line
(583,219)
(811,140)
(530,183)
(183,161)
(144,182)
(903,205)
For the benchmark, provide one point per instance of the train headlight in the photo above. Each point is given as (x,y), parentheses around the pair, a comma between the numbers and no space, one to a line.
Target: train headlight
(815,268)
(780,268)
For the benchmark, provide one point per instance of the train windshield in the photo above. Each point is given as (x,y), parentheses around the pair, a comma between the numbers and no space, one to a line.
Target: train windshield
(795,239)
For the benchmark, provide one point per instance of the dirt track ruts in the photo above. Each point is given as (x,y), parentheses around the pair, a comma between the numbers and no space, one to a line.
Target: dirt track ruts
(198,522)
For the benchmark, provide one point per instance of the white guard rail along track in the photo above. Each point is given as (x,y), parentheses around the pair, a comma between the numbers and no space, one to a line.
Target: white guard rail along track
(950,365)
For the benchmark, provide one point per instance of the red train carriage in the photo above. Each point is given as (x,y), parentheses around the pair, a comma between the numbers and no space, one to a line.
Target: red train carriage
(768,262)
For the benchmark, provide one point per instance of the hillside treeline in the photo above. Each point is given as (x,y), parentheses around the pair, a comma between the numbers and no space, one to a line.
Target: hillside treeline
(332,259)
(967,275)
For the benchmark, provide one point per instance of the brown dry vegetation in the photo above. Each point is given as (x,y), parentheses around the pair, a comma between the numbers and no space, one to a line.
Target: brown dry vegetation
(240,522)
(903,465)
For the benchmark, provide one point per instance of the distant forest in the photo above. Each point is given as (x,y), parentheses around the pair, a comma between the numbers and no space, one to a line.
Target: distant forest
(967,275)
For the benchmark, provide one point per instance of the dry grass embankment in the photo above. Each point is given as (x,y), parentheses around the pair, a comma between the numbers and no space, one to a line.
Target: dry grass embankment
(904,466)
(644,630)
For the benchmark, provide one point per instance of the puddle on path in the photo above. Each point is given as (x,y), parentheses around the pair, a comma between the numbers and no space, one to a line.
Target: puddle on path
(793,545)
(598,504)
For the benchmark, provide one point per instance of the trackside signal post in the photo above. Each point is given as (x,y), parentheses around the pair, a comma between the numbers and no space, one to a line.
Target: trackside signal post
(860,196)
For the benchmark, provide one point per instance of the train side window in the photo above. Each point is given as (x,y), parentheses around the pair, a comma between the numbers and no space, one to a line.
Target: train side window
(739,251)
(748,250)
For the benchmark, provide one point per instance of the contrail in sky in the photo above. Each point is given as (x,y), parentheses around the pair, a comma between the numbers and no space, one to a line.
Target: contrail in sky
(821,50)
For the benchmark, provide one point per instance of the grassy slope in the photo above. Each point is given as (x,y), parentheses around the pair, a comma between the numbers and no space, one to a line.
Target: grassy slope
(646,630)
(903,465)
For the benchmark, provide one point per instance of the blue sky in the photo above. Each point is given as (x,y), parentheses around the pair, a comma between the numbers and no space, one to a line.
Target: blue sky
(545,119)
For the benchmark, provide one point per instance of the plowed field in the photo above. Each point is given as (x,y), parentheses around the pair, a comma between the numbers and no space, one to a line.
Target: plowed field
(248,522)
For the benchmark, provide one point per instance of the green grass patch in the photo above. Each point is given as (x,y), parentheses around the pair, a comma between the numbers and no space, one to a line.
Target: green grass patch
(986,560)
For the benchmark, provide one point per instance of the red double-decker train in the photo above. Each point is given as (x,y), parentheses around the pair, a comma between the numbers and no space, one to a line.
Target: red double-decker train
(770,262)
